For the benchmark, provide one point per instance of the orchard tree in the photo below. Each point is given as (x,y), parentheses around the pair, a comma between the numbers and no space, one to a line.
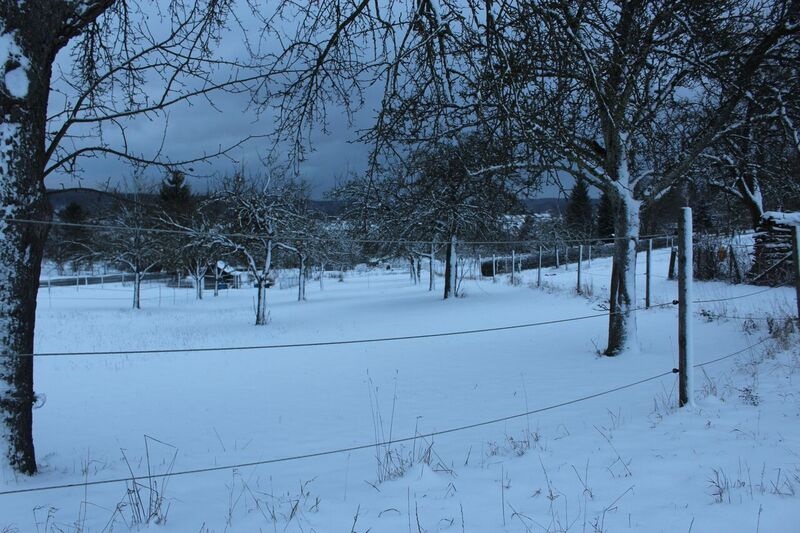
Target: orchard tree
(117,58)
(756,160)
(608,87)
(252,226)
(127,237)
(384,216)
(300,230)
(590,88)
(458,202)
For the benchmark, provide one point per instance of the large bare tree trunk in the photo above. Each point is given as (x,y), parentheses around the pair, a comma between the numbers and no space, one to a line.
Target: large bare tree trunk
(450,268)
(199,281)
(750,194)
(137,290)
(261,304)
(431,274)
(24,91)
(301,279)
(262,277)
(21,249)
(622,315)
(412,264)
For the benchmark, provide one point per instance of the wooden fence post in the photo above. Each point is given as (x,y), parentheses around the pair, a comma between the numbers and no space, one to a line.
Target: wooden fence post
(673,254)
(539,271)
(685,275)
(513,266)
(796,258)
(580,261)
(432,265)
(649,272)
(494,267)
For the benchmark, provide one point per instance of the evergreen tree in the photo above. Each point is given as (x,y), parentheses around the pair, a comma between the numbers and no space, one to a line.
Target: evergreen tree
(178,206)
(176,196)
(605,217)
(74,238)
(579,210)
(67,243)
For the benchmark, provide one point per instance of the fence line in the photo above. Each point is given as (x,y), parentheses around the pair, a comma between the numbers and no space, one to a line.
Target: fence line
(359,341)
(360,447)
(319,239)
(722,358)
(320,343)
(714,300)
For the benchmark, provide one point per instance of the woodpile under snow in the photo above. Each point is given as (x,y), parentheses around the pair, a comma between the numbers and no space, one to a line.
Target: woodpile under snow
(772,264)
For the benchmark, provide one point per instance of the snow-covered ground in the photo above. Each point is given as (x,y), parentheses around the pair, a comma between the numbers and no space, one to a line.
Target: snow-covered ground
(622,461)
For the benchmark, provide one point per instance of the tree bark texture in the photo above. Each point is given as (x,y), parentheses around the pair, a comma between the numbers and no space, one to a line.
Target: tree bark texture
(622,315)
(36,31)
(451,262)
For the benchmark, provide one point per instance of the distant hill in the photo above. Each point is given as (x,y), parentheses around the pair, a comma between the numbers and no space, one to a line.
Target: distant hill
(90,199)
(93,200)
(545,205)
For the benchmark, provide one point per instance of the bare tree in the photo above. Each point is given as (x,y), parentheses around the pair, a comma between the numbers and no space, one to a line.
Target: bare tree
(588,88)
(756,154)
(127,237)
(607,88)
(435,197)
(253,222)
(118,59)
(300,230)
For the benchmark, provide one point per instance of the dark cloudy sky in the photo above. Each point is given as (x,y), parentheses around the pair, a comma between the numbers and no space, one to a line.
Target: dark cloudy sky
(194,130)
(197,128)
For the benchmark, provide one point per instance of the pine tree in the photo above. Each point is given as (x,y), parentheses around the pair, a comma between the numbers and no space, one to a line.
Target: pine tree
(176,196)
(66,243)
(605,217)
(579,210)
(73,238)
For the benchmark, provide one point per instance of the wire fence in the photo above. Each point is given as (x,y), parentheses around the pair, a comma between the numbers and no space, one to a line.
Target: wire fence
(193,232)
(372,445)
(344,342)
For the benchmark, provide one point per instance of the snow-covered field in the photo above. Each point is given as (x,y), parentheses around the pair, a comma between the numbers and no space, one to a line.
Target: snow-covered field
(622,461)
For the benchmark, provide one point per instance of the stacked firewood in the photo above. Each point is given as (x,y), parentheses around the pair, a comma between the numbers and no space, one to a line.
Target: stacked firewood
(772,262)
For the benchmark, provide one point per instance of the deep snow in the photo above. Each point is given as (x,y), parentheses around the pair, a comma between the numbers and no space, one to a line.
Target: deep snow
(624,461)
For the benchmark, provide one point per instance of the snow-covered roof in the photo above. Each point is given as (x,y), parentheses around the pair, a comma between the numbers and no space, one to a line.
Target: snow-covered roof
(225,267)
